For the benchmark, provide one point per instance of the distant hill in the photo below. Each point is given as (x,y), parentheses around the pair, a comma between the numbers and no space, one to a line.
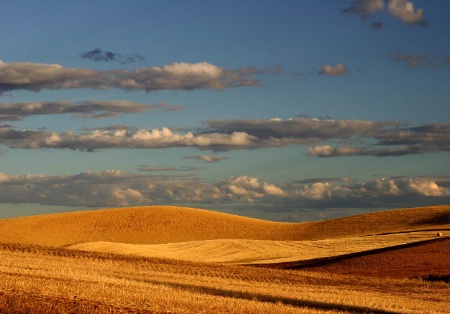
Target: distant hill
(169,224)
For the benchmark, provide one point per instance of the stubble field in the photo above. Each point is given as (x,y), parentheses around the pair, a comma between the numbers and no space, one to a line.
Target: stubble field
(373,263)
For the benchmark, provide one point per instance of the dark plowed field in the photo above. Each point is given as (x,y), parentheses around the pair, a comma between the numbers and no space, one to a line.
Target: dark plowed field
(421,260)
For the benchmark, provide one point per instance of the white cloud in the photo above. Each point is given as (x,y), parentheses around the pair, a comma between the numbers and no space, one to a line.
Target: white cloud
(401,9)
(321,150)
(118,188)
(315,191)
(271,189)
(427,187)
(404,10)
(337,70)
(207,158)
(329,151)
(385,138)
(126,196)
(122,138)
(188,69)
(36,76)
(388,187)
(246,181)
(382,186)
(250,188)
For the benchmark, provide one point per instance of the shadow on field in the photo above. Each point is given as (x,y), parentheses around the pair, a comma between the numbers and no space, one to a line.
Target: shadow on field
(303,264)
(259,297)
(441,218)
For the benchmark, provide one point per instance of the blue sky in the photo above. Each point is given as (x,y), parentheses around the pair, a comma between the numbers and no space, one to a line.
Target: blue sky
(281,110)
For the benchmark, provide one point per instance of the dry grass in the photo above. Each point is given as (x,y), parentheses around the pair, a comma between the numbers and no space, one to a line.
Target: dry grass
(166,224)
(243,251)
(39,275)
(136,225)
(70,281)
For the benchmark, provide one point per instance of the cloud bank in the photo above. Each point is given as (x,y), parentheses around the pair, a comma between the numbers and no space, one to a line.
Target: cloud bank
(187,76)
(366,138)
(82,109)
(117,188)
(122,138)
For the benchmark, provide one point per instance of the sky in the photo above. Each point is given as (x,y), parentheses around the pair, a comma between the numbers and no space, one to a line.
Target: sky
(279,110)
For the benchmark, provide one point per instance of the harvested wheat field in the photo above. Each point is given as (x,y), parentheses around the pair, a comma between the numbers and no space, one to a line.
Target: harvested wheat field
(168,224)
(185,260)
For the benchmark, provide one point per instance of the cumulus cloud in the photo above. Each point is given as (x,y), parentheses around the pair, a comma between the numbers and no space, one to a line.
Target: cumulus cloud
(117,188)
(98,55)
(368,138)
(365,8)
(249,189)
(384,192)
(427,188)
(384,138)
(207,158)
(315,191)
(337,70)
(188,76)
(82,109)
(404,10)
(329,151)
(271,189)
(122,138)
(244,187)
(401,9)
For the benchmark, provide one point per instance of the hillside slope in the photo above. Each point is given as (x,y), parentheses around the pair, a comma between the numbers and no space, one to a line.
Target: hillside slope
(244,251)
(168,224)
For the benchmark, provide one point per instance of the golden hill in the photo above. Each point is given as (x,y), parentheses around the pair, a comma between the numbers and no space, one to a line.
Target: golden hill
(168,224)
(245,251)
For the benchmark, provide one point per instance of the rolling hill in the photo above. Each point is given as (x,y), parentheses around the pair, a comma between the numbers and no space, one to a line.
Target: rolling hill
(168,224)
(63,262)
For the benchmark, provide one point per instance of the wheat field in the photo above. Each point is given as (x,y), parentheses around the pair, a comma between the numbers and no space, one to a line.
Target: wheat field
(169,224)
(245,251)
(185,260)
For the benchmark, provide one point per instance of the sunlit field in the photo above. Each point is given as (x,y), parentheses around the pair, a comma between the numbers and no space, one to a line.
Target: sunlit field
(266,267)
(313,135)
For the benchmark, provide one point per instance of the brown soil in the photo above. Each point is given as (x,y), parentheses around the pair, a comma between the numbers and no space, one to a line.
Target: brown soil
(415,260)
